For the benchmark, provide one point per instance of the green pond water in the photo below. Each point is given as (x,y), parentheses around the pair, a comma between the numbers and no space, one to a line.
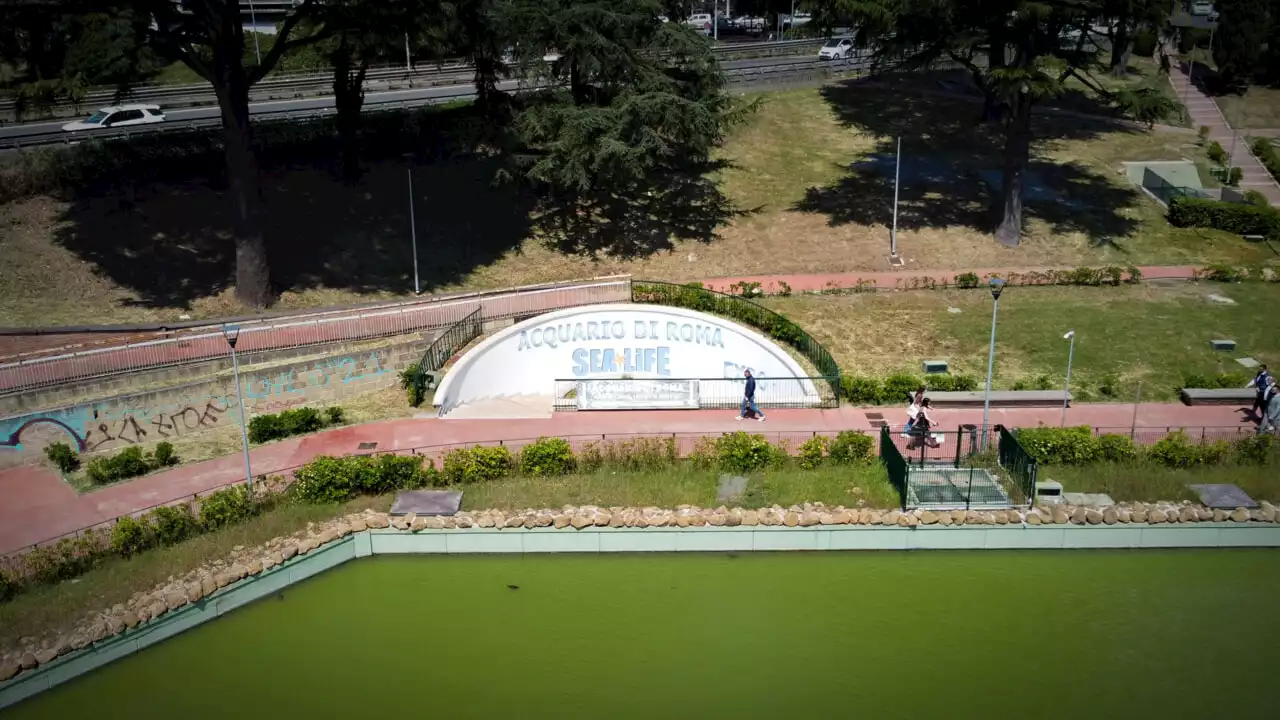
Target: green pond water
(1076,634)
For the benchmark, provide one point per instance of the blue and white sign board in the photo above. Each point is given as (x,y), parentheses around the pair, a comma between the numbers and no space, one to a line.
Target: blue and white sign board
(637,395)
(624,341)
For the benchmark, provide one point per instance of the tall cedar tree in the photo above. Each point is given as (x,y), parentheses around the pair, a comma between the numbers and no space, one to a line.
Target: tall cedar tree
(1242,24)
(208,37)
(622,133)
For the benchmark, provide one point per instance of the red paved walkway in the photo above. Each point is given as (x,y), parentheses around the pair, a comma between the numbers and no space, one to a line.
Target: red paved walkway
(39,506)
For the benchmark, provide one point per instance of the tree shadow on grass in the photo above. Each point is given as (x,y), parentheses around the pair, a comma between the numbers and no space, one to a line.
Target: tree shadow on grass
(640,219)
(951,165)
(171,243)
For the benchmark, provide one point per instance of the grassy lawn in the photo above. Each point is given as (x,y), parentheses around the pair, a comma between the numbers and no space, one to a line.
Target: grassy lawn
(685,485)
(44,608)
(1142,483)
(155,253)
(1258,108)
(1151,332)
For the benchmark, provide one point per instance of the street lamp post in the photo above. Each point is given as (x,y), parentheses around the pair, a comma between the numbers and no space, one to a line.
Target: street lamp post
(1071,351)
(893,233)
(413,233)
(997,287)
(253,19)
(232,333)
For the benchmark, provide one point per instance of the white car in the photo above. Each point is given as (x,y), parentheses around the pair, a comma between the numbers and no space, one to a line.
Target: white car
(836,49)
(700,22)
(1201,8)
(118,117)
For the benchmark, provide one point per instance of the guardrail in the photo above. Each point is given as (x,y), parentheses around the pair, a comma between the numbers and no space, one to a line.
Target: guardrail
(793,69)
(692,393)
(305,330)
(294,85)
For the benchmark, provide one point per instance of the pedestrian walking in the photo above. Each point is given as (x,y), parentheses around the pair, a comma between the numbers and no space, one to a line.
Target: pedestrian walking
(1270,420)
(920,428)
(913,409)
(749,398)
(1262,382)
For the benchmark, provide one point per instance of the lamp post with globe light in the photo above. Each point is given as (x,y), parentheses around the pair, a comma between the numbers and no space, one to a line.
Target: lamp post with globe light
(997,286)
(1071,351)
(232,334)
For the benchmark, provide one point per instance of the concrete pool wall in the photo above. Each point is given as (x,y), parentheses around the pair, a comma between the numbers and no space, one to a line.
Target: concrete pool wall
(317,558)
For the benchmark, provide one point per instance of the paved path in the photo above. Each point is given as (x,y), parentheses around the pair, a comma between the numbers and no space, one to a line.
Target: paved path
(1204,112)
(902,278)
(39,506)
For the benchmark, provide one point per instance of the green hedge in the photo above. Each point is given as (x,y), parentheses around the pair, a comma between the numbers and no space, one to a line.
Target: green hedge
(338,479)
(1078,446)
(298,421)
(130,462)
(897,389)
(1267,155)
(1238,218)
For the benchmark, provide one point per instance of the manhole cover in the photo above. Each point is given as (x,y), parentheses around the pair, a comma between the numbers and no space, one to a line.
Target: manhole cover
(367,446)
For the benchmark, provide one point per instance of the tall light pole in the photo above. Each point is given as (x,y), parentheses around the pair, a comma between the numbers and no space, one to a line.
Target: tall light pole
(253,19)
(232,333)
(1071,351)
(715,20)
(997,287)
(413,233)
(893,234)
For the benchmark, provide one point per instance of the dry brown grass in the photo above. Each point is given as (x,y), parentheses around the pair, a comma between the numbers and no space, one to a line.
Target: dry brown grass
(348,244)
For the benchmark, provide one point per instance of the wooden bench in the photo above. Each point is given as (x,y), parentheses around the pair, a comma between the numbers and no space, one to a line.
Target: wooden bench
(1218,396)
(999,398)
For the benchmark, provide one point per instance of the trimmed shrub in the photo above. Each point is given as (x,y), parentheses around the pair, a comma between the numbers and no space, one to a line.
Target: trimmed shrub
(1216,153)
(1060,446)
(860,390)
(967,281)
(899,388)
(225,507)
(851,447)
(704,456)
(164,455)
(128,463)
(951,383)
(1116,448)
(335,414)
(476,464)
(68,559)
(1212,382)
(1253,197)
(1234,176)
(131,536)
(742,452)
(1238,218)
(265,428)
(8,587)
(412,385)
(1267,155)
(1175,450)
(1223,273)
(172,524)
(1254,450)
(547,457)
(813,452)
(325,480)
(62,457)
(400,472)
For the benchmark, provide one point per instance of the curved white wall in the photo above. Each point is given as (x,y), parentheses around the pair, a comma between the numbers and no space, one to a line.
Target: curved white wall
(596,342)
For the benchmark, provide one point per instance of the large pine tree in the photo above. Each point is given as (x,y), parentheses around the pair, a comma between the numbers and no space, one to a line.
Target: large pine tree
(1242,24)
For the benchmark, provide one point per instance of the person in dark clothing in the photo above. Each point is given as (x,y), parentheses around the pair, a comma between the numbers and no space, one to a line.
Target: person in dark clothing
(920,428)
(1260,382)
(749,398)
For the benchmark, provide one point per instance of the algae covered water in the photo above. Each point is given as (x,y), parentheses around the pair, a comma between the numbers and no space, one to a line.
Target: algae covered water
(841,635)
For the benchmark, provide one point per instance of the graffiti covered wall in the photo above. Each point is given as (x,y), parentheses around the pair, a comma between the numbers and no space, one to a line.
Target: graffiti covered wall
(168,413)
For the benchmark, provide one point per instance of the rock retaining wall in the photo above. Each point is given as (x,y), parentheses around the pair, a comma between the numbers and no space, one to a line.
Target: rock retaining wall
(210,580)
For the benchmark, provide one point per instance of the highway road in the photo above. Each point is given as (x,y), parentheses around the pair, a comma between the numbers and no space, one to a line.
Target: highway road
(208,115)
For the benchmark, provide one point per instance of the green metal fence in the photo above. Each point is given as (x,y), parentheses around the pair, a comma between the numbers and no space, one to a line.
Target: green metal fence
(453,339)
(771,323)
(1018,463)
(894,464)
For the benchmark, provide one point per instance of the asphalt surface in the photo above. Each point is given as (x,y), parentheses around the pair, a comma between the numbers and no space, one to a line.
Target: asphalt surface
(408,97)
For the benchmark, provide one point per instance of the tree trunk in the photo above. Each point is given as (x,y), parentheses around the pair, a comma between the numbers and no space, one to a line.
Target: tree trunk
(348,95)
(1121,48)
(231,85)
(992,109)
(1017,147)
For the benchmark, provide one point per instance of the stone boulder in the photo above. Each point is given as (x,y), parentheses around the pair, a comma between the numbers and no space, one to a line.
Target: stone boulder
(8,670)
(1156,516)
(928,517)
(958,517)
(1240,515)
(1093,517)
(1109,516)
(1138,516)
(581,521)
(791,518)
(750,518)
(1079,516)
(1060,515)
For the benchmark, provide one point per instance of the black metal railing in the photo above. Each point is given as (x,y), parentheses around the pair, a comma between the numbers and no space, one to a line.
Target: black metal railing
(692,393)
(894,464)
(1019,463)
(453,339)
(776,326)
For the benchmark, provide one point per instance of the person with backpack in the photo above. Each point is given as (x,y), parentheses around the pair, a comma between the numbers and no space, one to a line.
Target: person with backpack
(1270,420)
(920,428)
(749,398)
(913,409)
(1262,382)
